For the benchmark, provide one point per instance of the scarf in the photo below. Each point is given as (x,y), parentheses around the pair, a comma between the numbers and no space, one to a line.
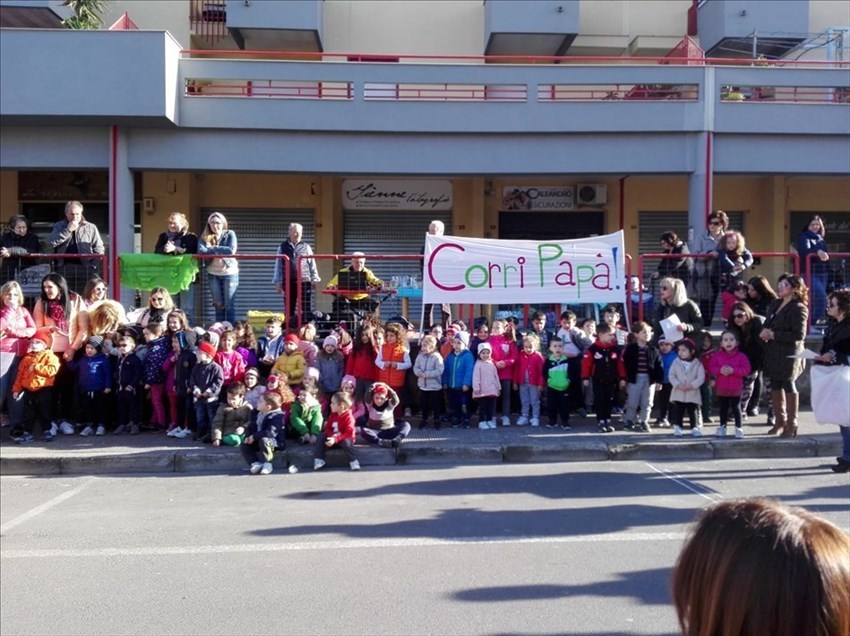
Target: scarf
(56,312)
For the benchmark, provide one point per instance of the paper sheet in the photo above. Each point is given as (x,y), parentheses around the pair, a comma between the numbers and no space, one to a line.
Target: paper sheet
(805,354)
(670,327)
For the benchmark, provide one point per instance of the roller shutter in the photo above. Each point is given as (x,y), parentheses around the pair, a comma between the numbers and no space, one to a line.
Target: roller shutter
(258,231)
(382,232)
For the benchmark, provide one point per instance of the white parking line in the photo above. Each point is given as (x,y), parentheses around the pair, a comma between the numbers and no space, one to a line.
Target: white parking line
(695,488)
(348,544)
(47,505)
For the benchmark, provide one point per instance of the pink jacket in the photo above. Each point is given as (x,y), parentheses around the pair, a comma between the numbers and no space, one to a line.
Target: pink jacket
(532,363)
(485,380)
(504,350)
(19,327)
(729,385)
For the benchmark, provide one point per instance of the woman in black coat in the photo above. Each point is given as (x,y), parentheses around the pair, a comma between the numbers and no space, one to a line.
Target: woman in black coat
(784,335)
(15,244)
(674,267)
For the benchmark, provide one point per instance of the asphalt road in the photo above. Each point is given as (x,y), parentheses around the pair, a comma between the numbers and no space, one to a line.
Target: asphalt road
(579,548)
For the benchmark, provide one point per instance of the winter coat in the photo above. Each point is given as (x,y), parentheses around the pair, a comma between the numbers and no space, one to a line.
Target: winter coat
(229,420)
(837,340)
(36,371)
(530,364)
(380,417)
(457,371)
(296,251)
(705,269)
(94,374)
(667,360)
(292,364)
(270,425)
(809,243)
(601,363)
(18,246)
(653,363)
(128,372)
(158,350)
(227,244)
(727,262)
(88,242)
(232,366)
(340,427)
(749,342)
(19,327)
(504,350)
(432,365)
(693,376)
(185,242)
(331,369)
(485,380)
(306,419)
(361,364)
(207,378)
(689,315)
(729,385)
(789,330)
(556,373)
(575,340)
(677,267)
(393,352)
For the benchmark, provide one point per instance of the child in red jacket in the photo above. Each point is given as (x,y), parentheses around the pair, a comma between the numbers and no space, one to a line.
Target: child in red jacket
(338,431)
(528,380)
(729,366)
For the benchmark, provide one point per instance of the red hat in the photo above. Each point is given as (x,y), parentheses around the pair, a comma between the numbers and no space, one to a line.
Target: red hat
(380,389)
(43,336)
(207,348)
(291,338)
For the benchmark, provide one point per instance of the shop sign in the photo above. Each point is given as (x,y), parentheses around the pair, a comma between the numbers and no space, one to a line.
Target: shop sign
(396,194)
(492,271)
(538,198)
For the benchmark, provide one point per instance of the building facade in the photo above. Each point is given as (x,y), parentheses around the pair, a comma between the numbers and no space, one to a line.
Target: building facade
(506,119)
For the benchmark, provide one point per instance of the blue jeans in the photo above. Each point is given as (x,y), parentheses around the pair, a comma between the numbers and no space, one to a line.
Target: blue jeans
(204,415)
(818,289)
(845,437)
(223,292)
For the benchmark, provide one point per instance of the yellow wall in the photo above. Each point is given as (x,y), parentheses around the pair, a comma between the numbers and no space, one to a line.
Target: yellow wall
(8,194)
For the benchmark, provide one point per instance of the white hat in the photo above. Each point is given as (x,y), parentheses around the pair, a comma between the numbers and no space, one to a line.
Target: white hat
(485,346)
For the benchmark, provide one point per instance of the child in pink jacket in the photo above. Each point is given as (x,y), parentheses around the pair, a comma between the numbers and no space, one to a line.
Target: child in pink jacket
(503,341)
(729,366)
(485,386)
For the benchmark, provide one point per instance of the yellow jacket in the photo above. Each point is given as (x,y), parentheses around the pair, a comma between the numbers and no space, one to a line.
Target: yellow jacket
(292,364)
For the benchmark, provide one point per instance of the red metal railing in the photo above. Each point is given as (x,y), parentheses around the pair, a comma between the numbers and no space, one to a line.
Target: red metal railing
(687,50)
(30,277)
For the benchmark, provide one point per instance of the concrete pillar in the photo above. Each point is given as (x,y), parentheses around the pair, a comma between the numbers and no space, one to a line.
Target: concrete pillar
(700,185)
(121,201)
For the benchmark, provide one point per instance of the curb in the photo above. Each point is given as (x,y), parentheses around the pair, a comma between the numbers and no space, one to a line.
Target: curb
(417,454)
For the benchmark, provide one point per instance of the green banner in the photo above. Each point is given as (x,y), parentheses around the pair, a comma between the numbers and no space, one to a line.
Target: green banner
(146,271)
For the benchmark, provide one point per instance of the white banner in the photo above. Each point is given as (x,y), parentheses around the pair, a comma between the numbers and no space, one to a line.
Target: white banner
(396,194)
(538,198)
(492,271)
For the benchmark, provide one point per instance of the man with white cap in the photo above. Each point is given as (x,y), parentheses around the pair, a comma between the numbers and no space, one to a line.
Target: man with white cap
(353,283)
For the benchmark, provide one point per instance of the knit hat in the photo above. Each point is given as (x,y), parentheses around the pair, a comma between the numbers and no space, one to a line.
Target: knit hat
(348,379)
(43,336)
(216,328)
(463,337)
(331,340)
(252,371)
(190,337)
(96,342)
(272,380)
(380,389)
(485,346)
(214,338)
(291,338)
(207,348)
(311,372)
(687,342)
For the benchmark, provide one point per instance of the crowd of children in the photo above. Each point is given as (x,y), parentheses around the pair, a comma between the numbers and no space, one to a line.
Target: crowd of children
(226,387)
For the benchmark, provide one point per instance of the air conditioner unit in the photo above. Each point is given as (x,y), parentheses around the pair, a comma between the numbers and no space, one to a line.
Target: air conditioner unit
(591,194)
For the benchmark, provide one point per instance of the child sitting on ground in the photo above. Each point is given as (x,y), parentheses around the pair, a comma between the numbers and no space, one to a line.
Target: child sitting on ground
(253,388)
(338,431)
(34,385)
(265,434)
(349,386)
(305,417)
(380,426)
(232,419)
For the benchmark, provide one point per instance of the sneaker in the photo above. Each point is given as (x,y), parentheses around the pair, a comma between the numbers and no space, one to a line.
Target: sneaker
(662,423)
(171,431)
(388,443)
(455,424)
(483,425)
(753,412)
(355,465)
(318,464)
(292,469)
(535,422)
(522,421)
(608,427)
(566,427)
(256,467)
(677,431)
(48,436)
(15,433)
(551,425)
(119,430)
(182,433)
(266,469)
(492,423)
(616,410)
(101,430)
(630,426)
(88,430)
(506,421)
(643,427)
(721,431)
(739,432)
(26,438)
(582,412)
(66,428)
(696,432)
(54,428)
(134,429)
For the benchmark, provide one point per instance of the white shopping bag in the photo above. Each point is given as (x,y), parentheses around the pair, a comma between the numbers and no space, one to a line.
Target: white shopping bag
(831,394)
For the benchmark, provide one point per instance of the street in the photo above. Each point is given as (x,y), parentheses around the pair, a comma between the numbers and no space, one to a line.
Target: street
(578,548)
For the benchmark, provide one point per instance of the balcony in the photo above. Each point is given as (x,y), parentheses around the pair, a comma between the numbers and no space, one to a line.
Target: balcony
(516,27)
(295,25)
(752,28)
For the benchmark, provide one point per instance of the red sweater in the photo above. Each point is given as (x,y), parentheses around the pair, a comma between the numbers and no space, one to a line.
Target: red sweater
(533,363)
(339,427)
(361,364)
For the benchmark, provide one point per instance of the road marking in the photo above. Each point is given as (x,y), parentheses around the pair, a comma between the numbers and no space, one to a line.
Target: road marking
(347,544)
(47,505)
(694,487)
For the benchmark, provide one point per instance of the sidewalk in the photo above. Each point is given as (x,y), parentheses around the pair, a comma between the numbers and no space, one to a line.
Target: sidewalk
(155,453)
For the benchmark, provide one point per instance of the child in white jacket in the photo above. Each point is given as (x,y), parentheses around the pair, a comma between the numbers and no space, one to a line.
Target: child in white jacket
(686,376)
(485,386)
(428,370)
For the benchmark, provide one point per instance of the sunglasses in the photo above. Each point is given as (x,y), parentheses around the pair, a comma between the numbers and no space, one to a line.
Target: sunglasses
(715,224)
(739,315)
(157,299)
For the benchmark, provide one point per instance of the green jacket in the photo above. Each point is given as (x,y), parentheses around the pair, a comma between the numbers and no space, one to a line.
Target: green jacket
(306,420)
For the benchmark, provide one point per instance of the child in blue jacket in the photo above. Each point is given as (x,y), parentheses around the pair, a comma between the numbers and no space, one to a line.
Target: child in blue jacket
(266,433)
(94,384)
(668,355)
(457,379)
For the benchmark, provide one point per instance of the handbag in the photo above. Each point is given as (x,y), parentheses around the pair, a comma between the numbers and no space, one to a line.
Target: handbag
(831,394)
